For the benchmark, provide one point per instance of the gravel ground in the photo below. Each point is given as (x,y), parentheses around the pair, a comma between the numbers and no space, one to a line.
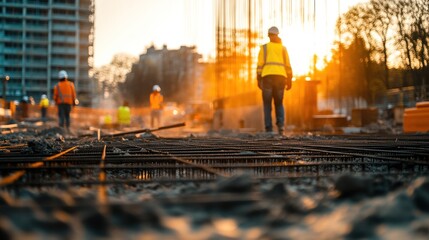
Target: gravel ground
(234,208)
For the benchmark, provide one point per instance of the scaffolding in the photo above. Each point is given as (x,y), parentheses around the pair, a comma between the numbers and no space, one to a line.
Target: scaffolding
(240,28)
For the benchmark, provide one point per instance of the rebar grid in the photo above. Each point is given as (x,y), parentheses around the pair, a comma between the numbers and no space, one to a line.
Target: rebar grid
(207,158)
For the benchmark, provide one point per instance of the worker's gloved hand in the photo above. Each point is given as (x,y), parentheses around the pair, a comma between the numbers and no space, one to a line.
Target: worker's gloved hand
(259,78)
(288,85)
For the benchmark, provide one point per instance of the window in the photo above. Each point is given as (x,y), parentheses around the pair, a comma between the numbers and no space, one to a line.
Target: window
(13,1)
(13,21)
(36,70)
(36,59)
(14,11)
(13,45)
(72,2)
(63,12)
(34,46)
(12,34)
(63,22)
(63,57)
(12,69)
(33,22)
(61,44)
(38,2)
(63,34)
(37,36)
(12,57)
(37,12)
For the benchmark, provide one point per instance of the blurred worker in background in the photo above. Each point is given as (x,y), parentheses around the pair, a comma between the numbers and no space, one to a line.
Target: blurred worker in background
(22,110)
(65,98)
(31,100)
(156,103)
(107,121)
(44,104)
(274,74)
(124,115)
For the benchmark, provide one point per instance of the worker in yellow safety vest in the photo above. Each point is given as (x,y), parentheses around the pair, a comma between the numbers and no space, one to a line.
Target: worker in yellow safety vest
(156,105)
(124,115)
(44,104)
(274,75)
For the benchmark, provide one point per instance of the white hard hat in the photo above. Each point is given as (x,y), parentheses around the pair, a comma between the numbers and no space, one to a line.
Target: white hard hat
(273,30)
(62,74)
(44,96)
(156,88)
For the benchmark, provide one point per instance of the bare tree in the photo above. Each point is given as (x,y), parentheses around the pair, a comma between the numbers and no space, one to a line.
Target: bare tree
(110,75)
(387,29)
(380,13)
(355,27)
(419,42)
(402,12)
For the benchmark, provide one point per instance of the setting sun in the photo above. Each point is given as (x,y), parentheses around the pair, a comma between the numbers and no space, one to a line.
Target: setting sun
(302,47)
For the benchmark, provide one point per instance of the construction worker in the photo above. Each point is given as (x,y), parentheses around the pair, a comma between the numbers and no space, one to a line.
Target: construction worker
(44,104)
(124,115)
(156,103)
(65,98)
(274,74)
(107,121)
(23,108)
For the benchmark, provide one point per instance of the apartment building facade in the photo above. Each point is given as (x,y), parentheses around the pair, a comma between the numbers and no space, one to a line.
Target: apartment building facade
(38,38)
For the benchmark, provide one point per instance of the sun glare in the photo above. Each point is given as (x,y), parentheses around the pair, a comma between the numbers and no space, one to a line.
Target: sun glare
(301,48)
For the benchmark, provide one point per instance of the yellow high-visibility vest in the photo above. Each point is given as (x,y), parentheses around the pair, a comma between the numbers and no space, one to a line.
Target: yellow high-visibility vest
(44,103)
(273,59)
(124,115)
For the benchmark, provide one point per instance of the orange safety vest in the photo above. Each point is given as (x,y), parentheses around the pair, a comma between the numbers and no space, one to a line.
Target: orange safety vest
(64,92)
(156,100)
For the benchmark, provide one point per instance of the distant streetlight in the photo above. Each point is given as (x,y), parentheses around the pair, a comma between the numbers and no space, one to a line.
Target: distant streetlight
(4,90)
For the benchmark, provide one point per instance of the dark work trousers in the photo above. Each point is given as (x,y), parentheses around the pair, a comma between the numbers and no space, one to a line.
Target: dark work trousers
(273,89)
(44,112)
(64,114)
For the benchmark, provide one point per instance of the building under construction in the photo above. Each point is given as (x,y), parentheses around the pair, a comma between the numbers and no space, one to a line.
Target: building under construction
(240,29)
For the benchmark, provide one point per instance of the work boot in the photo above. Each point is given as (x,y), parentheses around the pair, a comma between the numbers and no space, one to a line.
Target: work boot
(269,132)
(281,131)
(69,132)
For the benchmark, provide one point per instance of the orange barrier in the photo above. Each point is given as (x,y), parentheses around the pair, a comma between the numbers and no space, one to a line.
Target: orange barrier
(417,119)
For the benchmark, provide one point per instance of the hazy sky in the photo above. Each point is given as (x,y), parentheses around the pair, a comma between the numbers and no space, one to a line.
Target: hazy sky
(130,26)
